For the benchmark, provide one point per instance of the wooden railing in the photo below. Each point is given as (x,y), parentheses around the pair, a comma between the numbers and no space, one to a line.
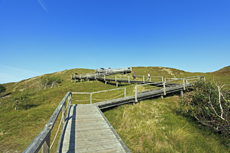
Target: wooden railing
(185,81)
(91,93)
(42,141)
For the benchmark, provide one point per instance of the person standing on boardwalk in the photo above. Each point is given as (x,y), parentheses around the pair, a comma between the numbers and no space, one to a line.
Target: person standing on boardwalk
(148,76)
(134,76)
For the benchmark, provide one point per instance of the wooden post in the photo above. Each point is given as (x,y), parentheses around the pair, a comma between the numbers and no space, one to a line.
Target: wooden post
(63,114)
(46,145)
(104,80)
(181,93)
(116,84)
(162,97)
(125,92)
(143,79)
(128,79)
(164,88)
(69,101)
(91,95)
(136,94)
(183,83)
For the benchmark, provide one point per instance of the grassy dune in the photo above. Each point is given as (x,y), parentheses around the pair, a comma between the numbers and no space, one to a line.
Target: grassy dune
(153,126)
(149,126)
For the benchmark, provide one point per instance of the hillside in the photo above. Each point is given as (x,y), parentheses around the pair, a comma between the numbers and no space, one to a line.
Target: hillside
(146,127)
(224,71)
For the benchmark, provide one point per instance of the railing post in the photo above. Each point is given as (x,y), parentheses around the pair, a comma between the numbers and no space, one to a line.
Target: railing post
(63,114)
(125,92)
(74,78)
(164,88)
(183,83)
(181,93)
(91,95)
(46,145)
(128,79)
(163,80)
(69,101)
(115,78)
(143,79)
(136,94)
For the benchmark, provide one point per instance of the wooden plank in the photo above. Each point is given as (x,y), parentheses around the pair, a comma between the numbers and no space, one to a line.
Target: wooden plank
(88,131)
(140,96)
(93,146)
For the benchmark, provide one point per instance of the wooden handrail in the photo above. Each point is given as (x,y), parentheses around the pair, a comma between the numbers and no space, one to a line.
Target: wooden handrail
(43,138)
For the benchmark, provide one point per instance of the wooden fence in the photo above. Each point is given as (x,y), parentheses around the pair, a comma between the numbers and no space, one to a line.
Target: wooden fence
(42,141)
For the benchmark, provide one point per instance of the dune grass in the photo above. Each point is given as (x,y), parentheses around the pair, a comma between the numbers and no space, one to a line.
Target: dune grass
(153,126)
(149,126)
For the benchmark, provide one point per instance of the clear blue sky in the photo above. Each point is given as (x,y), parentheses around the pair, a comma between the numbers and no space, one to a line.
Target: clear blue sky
(45,36)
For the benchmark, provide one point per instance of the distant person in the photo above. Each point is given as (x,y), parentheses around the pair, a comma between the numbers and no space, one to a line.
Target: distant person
(134,76)
(148,76)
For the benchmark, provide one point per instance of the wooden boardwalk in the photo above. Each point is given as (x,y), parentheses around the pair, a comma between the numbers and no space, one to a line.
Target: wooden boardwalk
(87,130)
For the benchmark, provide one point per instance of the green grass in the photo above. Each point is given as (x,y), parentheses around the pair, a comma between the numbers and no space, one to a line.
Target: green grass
(149,126)
(153,126)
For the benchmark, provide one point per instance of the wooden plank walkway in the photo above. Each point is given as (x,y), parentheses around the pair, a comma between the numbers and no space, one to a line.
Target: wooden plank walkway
(140,96)
(88,130)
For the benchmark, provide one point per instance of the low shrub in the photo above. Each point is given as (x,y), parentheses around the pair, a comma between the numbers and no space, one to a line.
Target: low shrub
(2,89)
(209,105)
(51,81)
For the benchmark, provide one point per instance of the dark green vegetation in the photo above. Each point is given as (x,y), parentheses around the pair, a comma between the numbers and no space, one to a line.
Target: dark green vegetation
(149,126)
(2,89)
(210,106)
(50,81)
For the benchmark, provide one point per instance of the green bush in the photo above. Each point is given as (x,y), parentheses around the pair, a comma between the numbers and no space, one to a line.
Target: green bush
(2,88)
(51,81)
(209,105)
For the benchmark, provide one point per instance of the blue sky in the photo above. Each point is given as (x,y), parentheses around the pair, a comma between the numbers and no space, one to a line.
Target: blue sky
(45,36)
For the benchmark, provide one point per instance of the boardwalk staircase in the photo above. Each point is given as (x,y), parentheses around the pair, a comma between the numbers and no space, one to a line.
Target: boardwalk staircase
(84,128)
